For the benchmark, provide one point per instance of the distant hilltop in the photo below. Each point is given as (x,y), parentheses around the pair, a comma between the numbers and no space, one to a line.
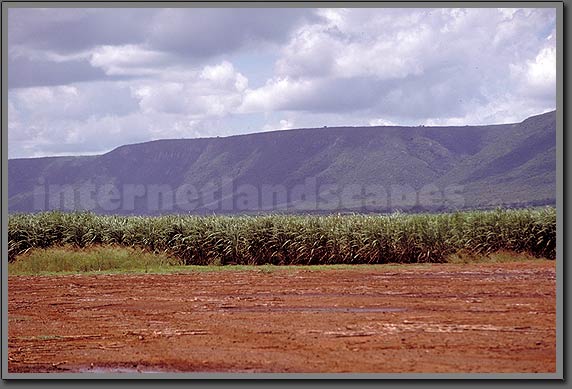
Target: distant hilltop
(328,169)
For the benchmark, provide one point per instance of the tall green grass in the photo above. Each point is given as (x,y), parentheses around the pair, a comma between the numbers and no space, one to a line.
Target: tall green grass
(295,240)
(64,259)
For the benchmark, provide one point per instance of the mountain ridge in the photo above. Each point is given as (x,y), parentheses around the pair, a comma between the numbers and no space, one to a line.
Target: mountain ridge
(501,164)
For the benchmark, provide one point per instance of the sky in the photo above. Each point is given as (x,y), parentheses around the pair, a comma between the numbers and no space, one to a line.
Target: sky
(84,81)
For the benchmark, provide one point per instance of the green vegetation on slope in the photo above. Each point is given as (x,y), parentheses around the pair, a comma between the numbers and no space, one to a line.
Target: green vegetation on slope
(509,165)
(295,240)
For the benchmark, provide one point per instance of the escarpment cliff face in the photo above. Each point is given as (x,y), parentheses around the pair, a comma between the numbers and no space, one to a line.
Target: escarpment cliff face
(483,166)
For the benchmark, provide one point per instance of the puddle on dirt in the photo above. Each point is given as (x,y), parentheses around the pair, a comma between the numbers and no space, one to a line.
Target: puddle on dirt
(314,309)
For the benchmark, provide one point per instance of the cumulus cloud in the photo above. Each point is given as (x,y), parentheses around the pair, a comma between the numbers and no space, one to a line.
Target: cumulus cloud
(277,94)
(130,60)
(415,64)
(216,90)
(101,115)
(223,75)
(127,41)
(203,32)
(88,80)
(26,72)
(353,45)
(68,30)
(381,122)
(284,124)
(78,101)
(541,72)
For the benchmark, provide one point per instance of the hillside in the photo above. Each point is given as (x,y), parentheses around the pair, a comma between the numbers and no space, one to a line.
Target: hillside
(342,168)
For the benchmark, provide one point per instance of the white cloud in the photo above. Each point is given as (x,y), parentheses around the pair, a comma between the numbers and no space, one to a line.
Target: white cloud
(127,60)
(381,122)
(357,66)
(542,71)
(283,124)
(409,64)
(97,116)
(48,102)
(352,44)
(536,77)
(504,109)
(76,101)
(215,90)
(166,97)
(224,76)
(276,94)
(311,53)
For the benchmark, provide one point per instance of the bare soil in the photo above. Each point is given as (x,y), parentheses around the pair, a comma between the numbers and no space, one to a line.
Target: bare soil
(386,319)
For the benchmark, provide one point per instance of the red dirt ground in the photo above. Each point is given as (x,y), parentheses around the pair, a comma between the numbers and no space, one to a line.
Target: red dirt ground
(430,318)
